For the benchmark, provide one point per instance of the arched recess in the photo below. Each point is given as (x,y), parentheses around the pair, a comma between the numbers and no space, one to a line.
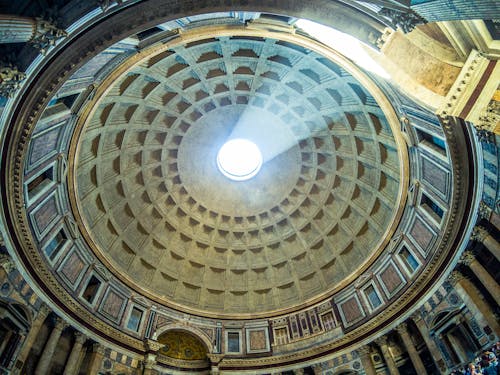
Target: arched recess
(197,333)
(182,345)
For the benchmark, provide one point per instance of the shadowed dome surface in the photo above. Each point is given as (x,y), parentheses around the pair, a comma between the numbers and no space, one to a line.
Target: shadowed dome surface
(167,221)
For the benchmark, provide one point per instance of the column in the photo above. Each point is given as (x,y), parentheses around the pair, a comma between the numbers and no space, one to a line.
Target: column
(489,282)
(384,347)
(149,363)
(430,343)
(473,299)
(43,365)
(317,369)
(31,336)
(366,360)
(72,363)
(95,362)
(410,348)
(481,235)
(298,371)
(215,359)
(16,29)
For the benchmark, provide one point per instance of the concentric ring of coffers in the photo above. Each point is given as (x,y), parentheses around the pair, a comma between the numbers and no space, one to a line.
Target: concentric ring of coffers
(158,210)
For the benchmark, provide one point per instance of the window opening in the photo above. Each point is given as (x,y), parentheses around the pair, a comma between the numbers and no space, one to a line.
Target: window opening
(373,297)
(37,184)
(91,289)
(409,260)
(134,321)
(55,245)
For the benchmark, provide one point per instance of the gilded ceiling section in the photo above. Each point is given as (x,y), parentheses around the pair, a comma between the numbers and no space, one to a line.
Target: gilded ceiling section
(156,206)
(182,345)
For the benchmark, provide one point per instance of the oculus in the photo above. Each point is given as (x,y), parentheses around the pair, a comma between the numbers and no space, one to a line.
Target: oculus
(239,159)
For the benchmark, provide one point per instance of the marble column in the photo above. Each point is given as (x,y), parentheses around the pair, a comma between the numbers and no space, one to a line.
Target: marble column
(96,358)
(482,274)
(16,29)
(45,360)
(31,336)
(215,359)
(317,369)
(149,363)
(473,299)
(366,360)
(72,363)
(430,343)
(389,360)
(480,234)
(40,33)
(410,348)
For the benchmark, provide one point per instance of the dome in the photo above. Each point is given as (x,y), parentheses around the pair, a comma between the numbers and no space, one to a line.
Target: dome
(125,215)
(156,207)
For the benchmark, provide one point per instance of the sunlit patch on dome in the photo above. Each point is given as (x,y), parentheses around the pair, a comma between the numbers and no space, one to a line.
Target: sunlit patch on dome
(239,159)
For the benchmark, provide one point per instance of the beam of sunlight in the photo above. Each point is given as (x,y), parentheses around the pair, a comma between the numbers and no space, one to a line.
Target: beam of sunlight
(346,44)
(269,132)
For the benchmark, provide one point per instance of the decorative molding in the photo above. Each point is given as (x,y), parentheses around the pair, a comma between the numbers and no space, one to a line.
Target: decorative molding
(489,120)
(467,258)
(46,35)
(405,20)
(10,79)
(455,277)
(479,234)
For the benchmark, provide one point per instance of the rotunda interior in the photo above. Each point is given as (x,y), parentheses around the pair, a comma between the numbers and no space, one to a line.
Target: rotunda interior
(360,237)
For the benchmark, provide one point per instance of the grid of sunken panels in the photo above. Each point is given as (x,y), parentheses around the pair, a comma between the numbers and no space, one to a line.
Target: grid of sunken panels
(141,214)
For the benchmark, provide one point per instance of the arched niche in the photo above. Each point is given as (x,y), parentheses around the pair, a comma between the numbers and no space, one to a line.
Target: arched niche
(183,345)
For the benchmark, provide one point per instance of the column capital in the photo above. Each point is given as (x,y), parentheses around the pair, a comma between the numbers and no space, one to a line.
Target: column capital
(46,35)
(402,329)
(5,260)
(80,338)
(44,311)
(467,258)
(60,323)
(364,350)
(98,348)
(454,277)
(381,341)
(406,20)
(215,358)
(149,361)
(484,211)
(152,345)
(416,316)
(317,369)
(10,79)
(479,234)
(298,371)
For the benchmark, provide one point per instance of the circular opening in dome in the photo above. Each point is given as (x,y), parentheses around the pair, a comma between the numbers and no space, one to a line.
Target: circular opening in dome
(239,159)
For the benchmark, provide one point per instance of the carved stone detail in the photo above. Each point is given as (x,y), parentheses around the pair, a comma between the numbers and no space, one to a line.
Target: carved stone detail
(467,258)
(484,211)
(10,79)
(479,234)
(6,263)
(152,345)
(406,21)
(46,35)
(455,277)
(488,121)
